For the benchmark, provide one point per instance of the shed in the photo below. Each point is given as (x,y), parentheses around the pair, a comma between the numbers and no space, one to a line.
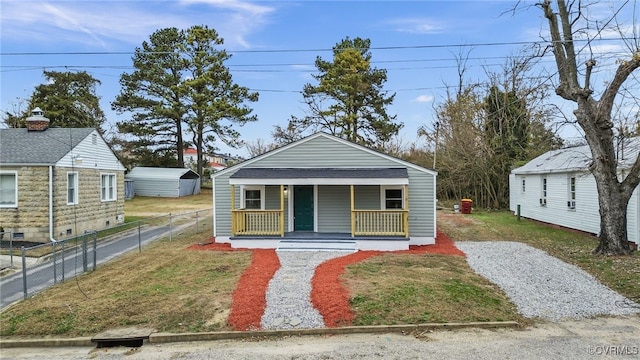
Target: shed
(164,182)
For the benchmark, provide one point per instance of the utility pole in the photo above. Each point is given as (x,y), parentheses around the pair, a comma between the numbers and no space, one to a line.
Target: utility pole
(435,148)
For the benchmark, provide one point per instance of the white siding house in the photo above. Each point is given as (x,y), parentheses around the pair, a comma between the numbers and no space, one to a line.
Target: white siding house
(557,188)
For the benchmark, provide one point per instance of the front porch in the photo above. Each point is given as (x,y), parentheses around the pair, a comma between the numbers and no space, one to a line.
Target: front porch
(335,241)
(301,211)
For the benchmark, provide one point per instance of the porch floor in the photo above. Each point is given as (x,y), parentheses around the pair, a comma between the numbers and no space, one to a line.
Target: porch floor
(310,235)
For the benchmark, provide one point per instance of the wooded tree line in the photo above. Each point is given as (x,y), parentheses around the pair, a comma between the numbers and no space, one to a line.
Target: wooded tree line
(182,94)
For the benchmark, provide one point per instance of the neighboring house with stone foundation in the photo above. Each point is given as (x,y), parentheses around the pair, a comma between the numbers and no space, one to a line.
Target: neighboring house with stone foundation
(55,183)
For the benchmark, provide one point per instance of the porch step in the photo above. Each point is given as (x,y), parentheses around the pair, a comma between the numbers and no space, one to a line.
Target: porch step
(317,245)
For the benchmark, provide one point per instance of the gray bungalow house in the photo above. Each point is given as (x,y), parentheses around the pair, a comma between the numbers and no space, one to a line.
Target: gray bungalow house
(57,182)
(324,192)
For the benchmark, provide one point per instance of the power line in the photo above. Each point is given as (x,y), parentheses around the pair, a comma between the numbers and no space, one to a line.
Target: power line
(406,47)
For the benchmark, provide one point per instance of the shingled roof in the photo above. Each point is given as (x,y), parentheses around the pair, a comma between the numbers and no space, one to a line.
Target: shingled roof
(23,147)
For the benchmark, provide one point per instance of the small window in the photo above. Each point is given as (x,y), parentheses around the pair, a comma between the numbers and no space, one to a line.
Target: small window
(523,186)
(392,198)
(543,193)
(571,203)
(108,187)
(9,189)
(72,188)
(94,139)
(253,197)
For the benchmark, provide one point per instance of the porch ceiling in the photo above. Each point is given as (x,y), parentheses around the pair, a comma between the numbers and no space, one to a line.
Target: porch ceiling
(320,176)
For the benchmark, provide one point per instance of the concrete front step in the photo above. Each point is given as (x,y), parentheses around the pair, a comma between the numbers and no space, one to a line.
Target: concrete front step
(317,245)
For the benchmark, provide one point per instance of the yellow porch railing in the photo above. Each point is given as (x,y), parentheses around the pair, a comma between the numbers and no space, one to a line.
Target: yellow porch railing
(257,222)
(380,223)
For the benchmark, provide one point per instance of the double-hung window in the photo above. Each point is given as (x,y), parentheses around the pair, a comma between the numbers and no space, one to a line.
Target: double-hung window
(392,198)
(8,189)
(571,202)
(253,197)
(108,187)
(72,188)
(543,192)
(523,185)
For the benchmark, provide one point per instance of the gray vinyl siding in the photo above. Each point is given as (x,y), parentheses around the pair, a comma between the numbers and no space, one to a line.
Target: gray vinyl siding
(334,208)
(367,197)
(421,204)
(272,198)
(222,200)
(321,152)
(334,201)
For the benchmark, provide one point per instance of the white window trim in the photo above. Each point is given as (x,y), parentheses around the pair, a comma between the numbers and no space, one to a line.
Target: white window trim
(544,190)
(244,188)
(383,195)
(75,188)
(115,187)
(571,195)
(15,184)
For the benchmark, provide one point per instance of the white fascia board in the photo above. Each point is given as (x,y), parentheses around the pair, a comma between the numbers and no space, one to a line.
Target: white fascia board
(319,181)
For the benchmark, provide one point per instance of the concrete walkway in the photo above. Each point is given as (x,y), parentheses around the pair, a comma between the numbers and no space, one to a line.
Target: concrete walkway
(289,291)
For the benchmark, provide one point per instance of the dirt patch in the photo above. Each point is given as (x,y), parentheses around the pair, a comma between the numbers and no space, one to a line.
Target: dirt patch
(456,219)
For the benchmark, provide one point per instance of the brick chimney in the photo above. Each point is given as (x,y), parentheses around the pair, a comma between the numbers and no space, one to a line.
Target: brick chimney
(37,121)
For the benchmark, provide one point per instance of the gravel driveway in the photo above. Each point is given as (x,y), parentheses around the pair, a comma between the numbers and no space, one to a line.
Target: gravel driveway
(542,286)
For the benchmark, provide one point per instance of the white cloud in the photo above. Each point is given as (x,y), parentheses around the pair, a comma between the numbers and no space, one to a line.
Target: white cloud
(416,26)
(101,23)
(424,99)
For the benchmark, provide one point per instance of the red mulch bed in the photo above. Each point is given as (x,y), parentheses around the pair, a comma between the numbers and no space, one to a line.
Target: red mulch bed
(249,299)
(327,293)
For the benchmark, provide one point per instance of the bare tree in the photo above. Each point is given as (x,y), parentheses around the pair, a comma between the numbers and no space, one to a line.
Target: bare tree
(595,119)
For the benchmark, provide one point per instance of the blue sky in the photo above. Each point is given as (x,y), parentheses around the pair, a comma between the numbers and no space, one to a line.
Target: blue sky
(416,41)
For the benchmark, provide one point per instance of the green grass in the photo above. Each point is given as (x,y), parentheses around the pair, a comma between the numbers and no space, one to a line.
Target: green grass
(165,287)
(409,289)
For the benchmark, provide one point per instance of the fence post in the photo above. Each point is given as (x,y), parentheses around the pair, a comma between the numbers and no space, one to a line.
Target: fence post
(170,228)
(84,251)
(196,221)
(95,248)
(62,251)
(24,273)
(55,270)
(139,238)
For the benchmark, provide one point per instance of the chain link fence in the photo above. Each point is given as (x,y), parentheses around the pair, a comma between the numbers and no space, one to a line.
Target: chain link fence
(50,263)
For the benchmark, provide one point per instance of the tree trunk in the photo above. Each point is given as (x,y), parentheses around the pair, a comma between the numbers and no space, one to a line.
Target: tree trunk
(179,144)
(613,203)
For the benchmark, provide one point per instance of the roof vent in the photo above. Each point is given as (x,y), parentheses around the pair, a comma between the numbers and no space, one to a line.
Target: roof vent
(37,121)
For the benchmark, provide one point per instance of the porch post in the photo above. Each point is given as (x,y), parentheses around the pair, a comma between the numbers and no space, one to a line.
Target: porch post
(353,215)
(233,207)
(406,211)
(282,210)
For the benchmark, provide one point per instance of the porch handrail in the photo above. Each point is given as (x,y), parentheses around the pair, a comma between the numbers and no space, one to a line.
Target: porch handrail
(257,222)
(381,222)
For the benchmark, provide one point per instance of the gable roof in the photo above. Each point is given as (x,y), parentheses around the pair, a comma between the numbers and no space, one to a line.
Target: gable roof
(577,159)
(292,145)
(23,147)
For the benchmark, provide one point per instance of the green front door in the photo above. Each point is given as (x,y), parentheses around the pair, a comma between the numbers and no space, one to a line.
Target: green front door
(303,208)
